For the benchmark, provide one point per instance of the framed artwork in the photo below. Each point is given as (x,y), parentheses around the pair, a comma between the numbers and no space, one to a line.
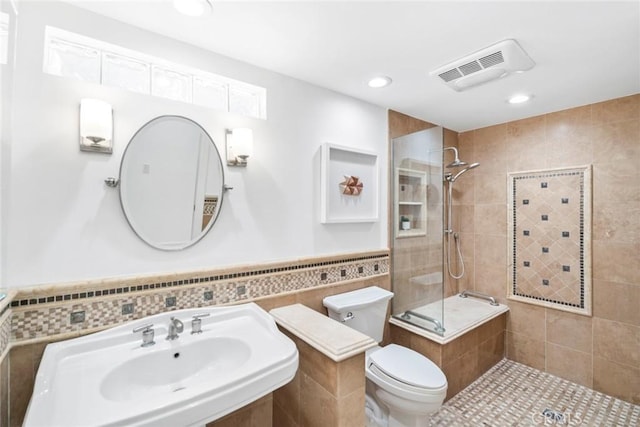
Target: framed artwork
(349,185)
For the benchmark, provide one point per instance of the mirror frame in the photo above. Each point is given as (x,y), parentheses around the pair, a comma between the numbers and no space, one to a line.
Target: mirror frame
(223,187)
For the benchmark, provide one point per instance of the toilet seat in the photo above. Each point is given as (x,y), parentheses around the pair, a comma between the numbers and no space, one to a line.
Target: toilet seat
(408,367)
(406,374)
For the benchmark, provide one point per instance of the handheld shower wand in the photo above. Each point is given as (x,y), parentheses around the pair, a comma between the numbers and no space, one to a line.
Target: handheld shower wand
(448,231)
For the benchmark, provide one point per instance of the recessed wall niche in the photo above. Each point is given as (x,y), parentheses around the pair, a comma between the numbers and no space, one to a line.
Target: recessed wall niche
(549,217)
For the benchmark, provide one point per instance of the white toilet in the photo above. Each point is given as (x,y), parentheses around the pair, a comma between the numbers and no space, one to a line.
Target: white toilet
(403,387)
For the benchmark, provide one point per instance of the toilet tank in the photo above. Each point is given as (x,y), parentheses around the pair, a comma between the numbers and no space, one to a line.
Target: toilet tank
(364,310)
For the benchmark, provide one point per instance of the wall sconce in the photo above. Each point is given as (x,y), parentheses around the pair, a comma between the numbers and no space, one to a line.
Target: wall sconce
(239,146)
(96,126)
(193,7)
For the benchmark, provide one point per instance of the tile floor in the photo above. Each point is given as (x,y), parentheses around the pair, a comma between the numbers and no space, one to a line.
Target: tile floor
(512,394)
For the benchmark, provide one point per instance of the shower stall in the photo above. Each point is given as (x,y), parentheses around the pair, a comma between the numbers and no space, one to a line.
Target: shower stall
(427,259)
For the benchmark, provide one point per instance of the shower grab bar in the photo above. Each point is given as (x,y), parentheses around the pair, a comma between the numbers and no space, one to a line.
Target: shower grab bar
(439,327)
(480,295)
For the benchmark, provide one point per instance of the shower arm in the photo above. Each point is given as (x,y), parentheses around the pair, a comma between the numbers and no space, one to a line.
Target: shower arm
(455,153)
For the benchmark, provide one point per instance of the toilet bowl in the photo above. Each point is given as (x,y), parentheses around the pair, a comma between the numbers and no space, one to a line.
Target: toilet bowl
(410,386)
(403,387)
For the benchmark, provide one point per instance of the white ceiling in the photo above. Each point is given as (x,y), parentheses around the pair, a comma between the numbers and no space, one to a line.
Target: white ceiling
(585,52)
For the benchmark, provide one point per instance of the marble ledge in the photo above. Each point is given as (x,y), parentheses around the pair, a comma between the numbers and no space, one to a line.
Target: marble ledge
(333,339)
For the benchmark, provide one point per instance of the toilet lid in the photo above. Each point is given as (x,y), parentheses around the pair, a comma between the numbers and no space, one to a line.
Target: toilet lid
(408,366)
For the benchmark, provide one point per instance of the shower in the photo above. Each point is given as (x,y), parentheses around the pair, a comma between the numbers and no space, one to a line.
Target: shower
(424,243)
(449,179)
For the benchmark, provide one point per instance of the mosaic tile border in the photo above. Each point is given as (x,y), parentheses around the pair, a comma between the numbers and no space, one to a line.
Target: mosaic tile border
(163,283)
(111,307)
(584,238)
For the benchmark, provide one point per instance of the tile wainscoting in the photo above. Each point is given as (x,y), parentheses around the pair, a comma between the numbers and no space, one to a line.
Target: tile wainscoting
(36,316)
(45,312)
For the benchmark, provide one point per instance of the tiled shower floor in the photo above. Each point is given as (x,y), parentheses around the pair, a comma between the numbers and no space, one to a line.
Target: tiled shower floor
(512,394)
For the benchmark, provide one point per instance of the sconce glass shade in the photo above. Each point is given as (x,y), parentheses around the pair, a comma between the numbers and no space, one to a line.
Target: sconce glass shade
(96,126)
(192,7)
(239,146)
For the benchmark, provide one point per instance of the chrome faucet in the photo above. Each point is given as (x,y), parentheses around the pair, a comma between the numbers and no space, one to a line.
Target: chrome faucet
(196,323)
(175,327)
(147,334)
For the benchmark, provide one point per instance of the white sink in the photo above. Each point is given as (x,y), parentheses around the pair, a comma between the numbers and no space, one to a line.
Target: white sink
(109,379)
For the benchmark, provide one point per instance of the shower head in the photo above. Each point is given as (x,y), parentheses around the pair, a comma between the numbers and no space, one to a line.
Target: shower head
(456,161)
(471,166)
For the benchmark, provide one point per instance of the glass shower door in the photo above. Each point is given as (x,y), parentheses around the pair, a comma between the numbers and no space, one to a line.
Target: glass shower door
(417,222)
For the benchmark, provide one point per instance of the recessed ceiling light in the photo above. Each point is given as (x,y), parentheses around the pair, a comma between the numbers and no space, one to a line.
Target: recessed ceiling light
(380,81)
(192,7)
(519,99)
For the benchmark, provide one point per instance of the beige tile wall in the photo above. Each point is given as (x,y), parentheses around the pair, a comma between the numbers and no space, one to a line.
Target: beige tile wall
(600,351)
(323,392)
(256,414)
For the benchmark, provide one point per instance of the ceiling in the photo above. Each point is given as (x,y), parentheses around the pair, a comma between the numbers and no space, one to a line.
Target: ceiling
(585,52)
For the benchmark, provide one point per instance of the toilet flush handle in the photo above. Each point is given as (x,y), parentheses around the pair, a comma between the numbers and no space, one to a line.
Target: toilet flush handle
(348,317)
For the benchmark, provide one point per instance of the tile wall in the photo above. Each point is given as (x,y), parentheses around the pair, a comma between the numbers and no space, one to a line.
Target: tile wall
(599,351)
(323,392)
(256,414)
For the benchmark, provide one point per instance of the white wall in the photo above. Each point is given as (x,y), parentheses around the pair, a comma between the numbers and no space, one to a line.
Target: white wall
(6,82)
(64,224)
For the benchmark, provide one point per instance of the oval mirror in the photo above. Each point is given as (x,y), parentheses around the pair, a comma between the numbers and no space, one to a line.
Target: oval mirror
(171,182)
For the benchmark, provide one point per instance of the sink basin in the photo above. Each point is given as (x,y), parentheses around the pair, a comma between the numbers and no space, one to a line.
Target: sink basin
(175,370)
(109,379)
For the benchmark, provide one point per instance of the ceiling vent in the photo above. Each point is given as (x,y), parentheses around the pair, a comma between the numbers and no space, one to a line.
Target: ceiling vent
(488,64)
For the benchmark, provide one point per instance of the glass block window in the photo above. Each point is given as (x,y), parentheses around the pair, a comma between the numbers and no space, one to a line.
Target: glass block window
(170,84)
(4,37)
(72,60)
(210,93)
(73,55)
(125,73)
(244,101)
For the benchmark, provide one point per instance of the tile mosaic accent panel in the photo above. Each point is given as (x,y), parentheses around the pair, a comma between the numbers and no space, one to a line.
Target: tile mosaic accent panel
(89,308)
(550,238)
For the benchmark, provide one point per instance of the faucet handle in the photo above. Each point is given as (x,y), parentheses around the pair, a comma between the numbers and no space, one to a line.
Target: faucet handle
(142,328)
(196,323)
(147,334)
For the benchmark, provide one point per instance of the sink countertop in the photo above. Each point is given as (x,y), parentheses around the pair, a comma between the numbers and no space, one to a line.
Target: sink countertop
(333,339)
